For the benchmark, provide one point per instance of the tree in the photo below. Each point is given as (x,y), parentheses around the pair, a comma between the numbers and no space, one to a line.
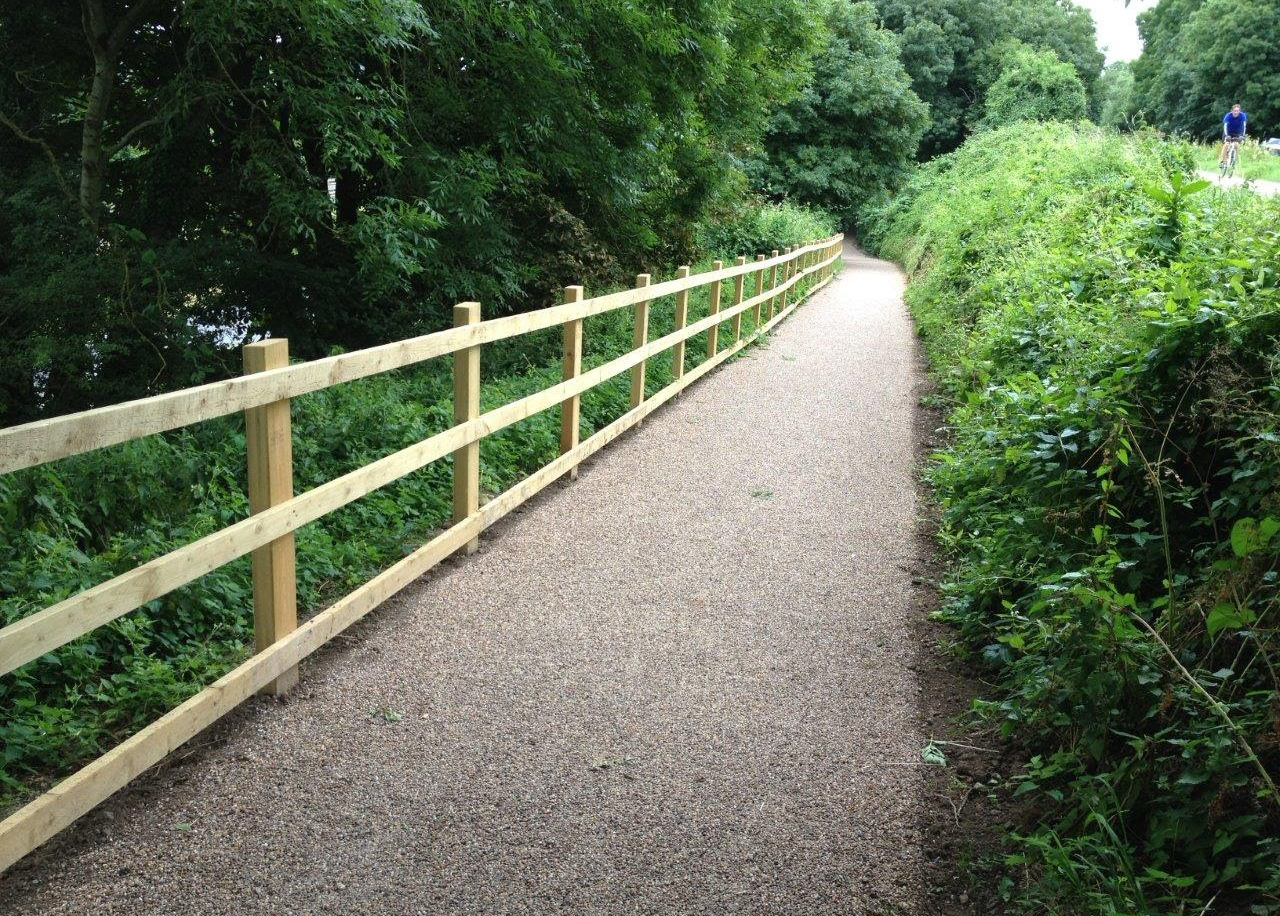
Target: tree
(168,166)
(854,130)
(950,49)
(1201,56)
(1116,102)
(1035,86)
(1165,89)
(1234,50)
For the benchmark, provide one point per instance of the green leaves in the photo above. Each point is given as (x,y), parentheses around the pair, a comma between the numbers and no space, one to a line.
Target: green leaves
(853,133)
(1226,616)
(1108,358)
(1249,535)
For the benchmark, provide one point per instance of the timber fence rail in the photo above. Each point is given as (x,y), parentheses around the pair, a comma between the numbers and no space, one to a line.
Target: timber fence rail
(263,394)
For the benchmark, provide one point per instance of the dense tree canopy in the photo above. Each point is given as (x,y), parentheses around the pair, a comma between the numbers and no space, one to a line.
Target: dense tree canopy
(951,50)
(180,174)
(854,131)
(1201,56)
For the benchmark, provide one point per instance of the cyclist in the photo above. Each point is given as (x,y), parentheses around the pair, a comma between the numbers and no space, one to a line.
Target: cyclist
(1235,123)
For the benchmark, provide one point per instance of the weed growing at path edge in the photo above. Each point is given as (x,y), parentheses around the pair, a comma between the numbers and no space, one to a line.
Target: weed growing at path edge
(1105,333)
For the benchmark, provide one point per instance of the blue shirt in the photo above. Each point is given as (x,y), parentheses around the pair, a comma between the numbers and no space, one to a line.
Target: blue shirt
(1233,125)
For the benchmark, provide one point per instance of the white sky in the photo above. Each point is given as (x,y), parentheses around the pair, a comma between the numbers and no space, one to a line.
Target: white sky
(1117,26)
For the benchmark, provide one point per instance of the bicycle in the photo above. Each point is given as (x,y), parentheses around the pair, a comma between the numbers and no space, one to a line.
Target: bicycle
(1227,167)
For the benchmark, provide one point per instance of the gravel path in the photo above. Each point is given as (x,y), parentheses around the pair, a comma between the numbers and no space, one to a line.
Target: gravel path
(682,684)
(1258,186)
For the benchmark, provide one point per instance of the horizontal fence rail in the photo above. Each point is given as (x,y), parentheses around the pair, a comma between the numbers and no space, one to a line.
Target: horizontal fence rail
(60,437)
(263,394)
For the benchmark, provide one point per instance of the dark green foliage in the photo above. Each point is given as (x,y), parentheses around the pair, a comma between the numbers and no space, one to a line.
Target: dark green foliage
(1117,106)
(1105,331)
(67,526)
(947,48)
(1202,56)
(854,130)
(157,212)
(1033,86)
(1236,58)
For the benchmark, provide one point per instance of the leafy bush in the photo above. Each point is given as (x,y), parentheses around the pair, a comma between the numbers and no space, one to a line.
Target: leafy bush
(1105,332)
(762,227)
(1034,86)
(67,526)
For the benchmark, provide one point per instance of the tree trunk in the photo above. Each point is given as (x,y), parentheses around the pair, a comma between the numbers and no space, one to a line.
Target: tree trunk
(92,148)
(106,44)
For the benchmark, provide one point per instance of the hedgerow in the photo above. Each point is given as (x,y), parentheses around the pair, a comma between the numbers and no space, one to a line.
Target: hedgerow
(69,525)
(1103,329)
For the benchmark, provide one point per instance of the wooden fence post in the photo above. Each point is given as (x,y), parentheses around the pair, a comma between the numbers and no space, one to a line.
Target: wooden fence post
(639,338)
(571,408)
(713,332)
(682,318)
(788,270)
(759,290)
(773,284)
(466,406)
(738,282)
(269,444)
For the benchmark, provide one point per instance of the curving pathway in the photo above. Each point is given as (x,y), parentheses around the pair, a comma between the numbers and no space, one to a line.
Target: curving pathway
(1258,186)
(683,684)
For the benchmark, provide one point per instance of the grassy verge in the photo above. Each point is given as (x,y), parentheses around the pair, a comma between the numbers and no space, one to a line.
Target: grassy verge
(1106,336)
(74,523)
(1255,163)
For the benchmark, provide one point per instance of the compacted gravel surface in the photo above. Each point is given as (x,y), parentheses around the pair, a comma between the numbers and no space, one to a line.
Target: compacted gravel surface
(682,684)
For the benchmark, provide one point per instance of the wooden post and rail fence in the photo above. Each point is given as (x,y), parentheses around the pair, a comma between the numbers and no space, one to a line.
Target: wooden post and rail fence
(263,394)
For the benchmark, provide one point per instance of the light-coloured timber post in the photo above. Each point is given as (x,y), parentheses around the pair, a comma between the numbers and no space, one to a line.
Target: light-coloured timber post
(773,284)
(738,283)
(788,271)
(713,332)
(466,407)
(682,318)
(759,290)
(571,408)
(269,443)
(639,338)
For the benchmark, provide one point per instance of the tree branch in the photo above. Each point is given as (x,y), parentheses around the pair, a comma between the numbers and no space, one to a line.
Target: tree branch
(128,135)
(48,151)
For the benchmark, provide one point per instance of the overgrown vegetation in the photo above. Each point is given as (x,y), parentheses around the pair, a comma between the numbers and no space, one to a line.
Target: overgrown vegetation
(1033,86)
(74,523)
(1104,331)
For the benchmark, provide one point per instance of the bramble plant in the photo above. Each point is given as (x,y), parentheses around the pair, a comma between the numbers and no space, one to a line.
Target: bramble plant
(1105,332)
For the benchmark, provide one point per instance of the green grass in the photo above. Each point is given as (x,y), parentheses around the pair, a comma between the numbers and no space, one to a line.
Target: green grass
(1254,163)
(1104,334)
(69,525)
